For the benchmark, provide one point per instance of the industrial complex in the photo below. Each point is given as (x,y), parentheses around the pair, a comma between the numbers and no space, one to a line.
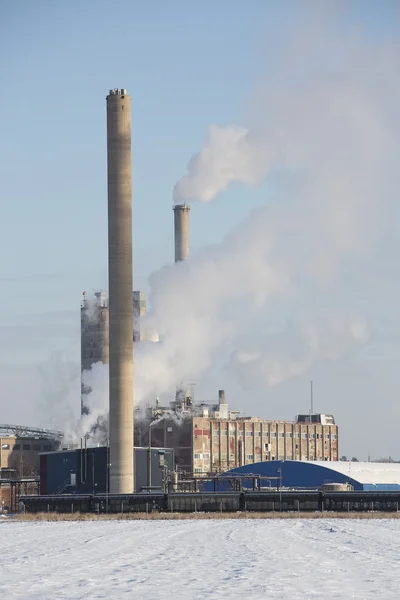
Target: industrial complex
(186,455)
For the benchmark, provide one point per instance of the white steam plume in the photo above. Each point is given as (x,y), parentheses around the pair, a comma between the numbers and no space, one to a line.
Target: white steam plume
(327,122)
(276,358)
(230,154)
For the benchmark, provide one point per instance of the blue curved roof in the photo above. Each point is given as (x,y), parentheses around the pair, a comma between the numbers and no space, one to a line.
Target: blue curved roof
(313,474)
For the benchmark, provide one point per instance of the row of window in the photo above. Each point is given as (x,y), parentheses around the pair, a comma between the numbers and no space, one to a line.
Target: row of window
(288,434)
(34,447)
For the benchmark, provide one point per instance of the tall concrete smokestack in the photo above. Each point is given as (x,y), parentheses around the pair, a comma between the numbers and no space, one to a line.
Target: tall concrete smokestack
(181,222)
(120,285)
(182,248)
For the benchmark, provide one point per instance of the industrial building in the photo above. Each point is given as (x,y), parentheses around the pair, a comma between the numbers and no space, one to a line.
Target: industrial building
(210,439)
(87,470)
(328,476)
(187,439)
(20,448)
(95,332)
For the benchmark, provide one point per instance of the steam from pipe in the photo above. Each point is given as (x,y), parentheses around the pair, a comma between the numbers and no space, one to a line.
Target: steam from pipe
(230,154)
(324,129)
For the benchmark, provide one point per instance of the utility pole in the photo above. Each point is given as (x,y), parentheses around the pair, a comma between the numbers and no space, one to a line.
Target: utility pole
(311,398)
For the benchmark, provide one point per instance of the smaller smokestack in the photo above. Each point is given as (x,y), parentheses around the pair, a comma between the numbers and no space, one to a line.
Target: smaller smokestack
(221,396)
(181,226)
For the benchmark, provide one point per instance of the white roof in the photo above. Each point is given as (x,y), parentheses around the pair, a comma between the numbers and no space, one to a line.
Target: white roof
(365,472)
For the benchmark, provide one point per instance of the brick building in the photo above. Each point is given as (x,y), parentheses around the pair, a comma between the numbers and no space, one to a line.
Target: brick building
(20,448)
(212,439)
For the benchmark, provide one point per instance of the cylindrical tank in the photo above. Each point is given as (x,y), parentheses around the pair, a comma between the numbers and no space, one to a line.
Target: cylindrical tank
(337,487)
(181,227)
(120,285)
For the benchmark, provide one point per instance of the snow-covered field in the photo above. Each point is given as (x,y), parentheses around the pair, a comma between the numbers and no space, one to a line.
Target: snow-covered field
(246,559)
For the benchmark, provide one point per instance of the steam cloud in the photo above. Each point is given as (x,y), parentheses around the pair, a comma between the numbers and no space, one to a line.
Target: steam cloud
(230,154)
(325,129)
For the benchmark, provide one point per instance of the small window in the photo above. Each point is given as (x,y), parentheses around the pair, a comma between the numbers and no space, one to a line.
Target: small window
(26,446)
(5,446)
(258,433)
(281,434)
(169,429)
(249,433)
(266,447)
(290,435)
(273,434)
(17,447)
(122,107)
(249,456)
(333,436)
(198,470)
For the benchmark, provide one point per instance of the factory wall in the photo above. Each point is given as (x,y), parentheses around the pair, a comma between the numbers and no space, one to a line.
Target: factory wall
(206,445)
(85,471)
(22,453)
(220,445)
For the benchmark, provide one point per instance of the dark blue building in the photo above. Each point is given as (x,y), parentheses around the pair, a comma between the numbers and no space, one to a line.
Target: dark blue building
(84,471)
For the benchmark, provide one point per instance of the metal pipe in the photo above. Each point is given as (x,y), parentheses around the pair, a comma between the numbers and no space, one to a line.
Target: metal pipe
(119,166)
(81,460)
(149,460)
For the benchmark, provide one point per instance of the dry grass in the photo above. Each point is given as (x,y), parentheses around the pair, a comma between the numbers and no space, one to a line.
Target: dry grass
(155,516)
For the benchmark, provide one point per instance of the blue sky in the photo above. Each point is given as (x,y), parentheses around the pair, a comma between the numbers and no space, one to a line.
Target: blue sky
(186,65)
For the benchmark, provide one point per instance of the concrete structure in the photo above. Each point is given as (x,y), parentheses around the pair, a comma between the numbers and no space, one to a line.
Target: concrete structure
(95,333)
(181,228)
(212,439)
(139,311)
(120,285)
(182,249)
(328,475)
(94,337)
